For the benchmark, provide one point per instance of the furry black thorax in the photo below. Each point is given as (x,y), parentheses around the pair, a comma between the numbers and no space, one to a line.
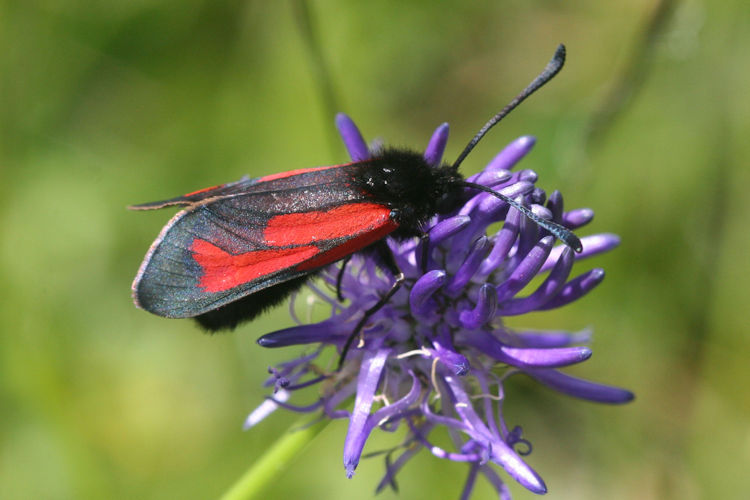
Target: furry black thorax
(414,190)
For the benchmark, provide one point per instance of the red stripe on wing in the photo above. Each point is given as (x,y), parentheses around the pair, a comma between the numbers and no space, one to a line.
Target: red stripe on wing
(339,222)
(349,247)
(222,270)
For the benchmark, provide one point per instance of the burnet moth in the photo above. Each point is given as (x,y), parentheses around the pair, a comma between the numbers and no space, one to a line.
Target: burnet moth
(239,248)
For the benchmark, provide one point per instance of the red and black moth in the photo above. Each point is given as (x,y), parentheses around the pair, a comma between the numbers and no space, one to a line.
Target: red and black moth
(240,248)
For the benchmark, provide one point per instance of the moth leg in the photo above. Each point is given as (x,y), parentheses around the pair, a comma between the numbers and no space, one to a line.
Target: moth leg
(424,239)
(340,277)
(388,262)
(368,314)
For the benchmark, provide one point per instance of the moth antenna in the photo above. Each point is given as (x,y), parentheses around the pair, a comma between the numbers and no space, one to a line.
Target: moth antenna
(561,233)
(549,71)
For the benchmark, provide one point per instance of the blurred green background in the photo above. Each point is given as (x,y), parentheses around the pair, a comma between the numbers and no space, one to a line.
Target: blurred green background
(106,103)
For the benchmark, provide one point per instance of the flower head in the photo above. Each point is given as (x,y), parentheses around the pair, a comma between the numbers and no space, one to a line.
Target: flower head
(438,354)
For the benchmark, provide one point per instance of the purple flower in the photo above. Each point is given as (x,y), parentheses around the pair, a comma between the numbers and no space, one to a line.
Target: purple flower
(438,354)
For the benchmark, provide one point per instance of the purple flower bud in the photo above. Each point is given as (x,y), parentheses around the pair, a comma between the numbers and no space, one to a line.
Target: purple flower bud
(484,310)
(446,353)
(577,218)
(592,245)
(512,153)
(448,227)
(352,138)
(526,269)
(373,363)
(467,269)
(547,291)
(575,289)
(433,155)
(424,289)
(583,389)
(492,179)
(555,205)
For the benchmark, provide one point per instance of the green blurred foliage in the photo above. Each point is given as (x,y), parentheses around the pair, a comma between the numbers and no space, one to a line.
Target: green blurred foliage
(106,103)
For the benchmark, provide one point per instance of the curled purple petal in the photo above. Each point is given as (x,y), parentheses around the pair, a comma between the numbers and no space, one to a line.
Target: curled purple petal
(448,227)
(526,270)
(446,352)
(490,206)
(539,196)
(373,364)
(552,338)
(512,153)
(492,178)
(504,241)
(305,334)
(546,291)
(526,357)
(577,218)
(424,288)
(527,176)
(433,155)
(582,389)
(402,404)
(471,319)
(541,211)
(353,140)
(466,271)
(519,470)
(598,243)
(555,205)
(548,358)
(592,245)
(575,289)
(455,362)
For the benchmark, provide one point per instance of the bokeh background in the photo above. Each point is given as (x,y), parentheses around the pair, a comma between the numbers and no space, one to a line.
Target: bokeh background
(108,103)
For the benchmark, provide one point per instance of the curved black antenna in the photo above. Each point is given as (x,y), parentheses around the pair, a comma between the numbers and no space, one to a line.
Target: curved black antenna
(561,233)
(549,71)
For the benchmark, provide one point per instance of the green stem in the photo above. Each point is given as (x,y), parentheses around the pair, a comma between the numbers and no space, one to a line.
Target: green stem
(279,457)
